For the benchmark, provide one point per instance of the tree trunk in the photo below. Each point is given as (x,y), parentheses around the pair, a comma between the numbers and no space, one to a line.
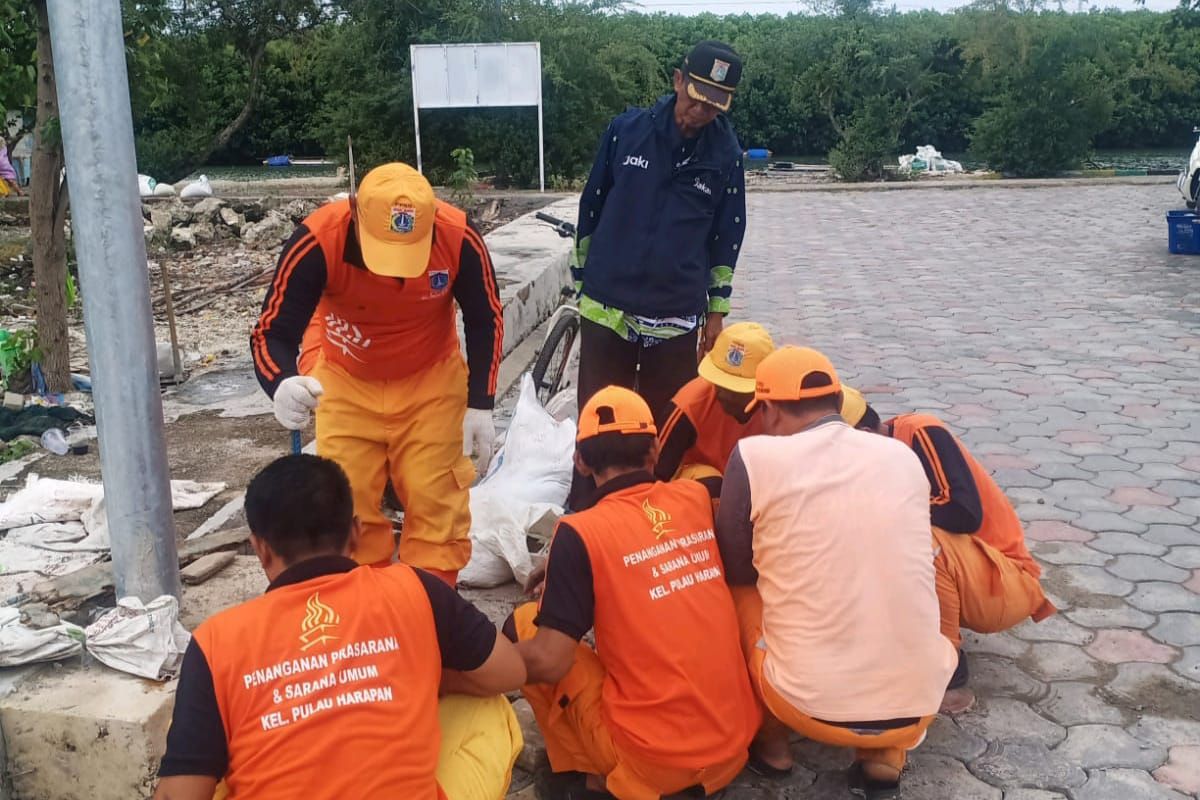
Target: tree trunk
(47,217)
(225,134)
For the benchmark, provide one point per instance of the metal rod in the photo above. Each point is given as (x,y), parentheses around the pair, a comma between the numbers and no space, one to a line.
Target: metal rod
(176,361)
(412,63)
(106,217)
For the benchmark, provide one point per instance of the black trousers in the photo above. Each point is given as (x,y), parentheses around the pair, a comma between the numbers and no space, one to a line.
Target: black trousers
(656,373)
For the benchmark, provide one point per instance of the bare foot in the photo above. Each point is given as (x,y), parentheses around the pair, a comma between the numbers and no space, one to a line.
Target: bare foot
(956,701)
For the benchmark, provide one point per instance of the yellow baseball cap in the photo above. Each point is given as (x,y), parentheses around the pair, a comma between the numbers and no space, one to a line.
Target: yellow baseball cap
(615,409)
(854,405)
(736,355)
(794,373)
(395,212)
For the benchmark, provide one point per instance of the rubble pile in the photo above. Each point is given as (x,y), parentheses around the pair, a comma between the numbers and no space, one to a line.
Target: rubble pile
(260,223)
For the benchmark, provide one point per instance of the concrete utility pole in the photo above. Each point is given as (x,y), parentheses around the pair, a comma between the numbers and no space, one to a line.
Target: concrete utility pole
(106,221)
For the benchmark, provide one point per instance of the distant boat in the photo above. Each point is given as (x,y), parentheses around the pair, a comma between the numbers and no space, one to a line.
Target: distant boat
(288,161)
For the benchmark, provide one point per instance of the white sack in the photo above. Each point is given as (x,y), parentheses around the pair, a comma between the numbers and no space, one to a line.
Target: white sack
(197,188)
(530,476)
(146,185)
(144,640)
(20,644)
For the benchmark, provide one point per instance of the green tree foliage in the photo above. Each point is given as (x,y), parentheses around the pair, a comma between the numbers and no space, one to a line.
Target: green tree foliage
(1028,90)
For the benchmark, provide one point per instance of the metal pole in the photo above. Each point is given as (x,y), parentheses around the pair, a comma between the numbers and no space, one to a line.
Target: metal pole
(106,218)
(412,61)
(541,135)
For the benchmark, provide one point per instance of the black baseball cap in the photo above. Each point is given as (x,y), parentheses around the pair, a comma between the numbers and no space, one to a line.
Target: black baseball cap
(713,71)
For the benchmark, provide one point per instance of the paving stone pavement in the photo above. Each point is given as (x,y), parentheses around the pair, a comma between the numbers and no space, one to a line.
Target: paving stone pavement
(1050,328)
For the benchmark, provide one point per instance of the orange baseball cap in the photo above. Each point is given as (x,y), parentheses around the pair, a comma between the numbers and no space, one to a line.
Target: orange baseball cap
(395,211)
(794,373)
(615,409)
(735,357)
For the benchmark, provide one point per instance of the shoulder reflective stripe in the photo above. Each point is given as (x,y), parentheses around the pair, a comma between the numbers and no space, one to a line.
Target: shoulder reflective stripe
(493,295)
(943,496)
(283,274)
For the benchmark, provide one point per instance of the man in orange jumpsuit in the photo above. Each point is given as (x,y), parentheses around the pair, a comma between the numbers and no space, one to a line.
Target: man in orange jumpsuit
(374,280)
(707,417)
(663,703)
(986,579)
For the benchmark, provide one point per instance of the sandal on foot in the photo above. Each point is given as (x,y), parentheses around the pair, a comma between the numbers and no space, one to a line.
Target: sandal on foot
(862,785)
(760,767)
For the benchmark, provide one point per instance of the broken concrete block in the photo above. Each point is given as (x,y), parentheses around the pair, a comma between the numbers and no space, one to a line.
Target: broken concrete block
(205,567)
(86,733)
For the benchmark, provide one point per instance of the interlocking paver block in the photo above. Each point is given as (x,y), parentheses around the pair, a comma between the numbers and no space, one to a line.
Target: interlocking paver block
(997,718)
(1177,628)
(1074,703)
(1001,678)
(1170,535)
(1050,531)
(1100,521)
(945,737)
(1133,496)
(1121,543)
(1123,784)
(1098,746)
(1124,646)
(1121,616)
(1187,557)
(1055,661)
(1139,568)
(1158,596)
(1182,770)
(1016,764)
(1092,580)
(1054,629)
(1069,553)
(1188,665)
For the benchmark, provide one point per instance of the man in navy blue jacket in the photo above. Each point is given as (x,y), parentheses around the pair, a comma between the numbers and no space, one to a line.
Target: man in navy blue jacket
(660,225)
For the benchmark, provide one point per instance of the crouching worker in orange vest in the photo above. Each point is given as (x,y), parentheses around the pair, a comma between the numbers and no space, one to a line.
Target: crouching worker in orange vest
(663,704)
(707,417)
(986,579)
(377,276)
(824,533)
(327,686)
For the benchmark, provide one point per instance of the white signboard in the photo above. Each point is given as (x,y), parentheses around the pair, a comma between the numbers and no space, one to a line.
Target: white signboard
(478,76)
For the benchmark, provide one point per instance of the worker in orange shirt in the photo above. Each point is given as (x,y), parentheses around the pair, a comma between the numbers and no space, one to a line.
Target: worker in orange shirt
(707,417)
(986,579)
(824,534)
(374,279)
(663,704)
(328,685)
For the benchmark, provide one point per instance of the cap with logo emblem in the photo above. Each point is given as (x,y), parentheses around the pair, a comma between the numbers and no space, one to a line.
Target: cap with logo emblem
(794,373)
(713,71)
(735,356)
(615,409)
(395,209)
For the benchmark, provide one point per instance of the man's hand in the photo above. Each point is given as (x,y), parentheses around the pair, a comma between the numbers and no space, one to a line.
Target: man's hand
(479,437)
(713,324)
(295,399)
(535,584)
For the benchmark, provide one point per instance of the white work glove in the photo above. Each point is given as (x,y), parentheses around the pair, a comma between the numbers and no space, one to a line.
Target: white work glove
(479,437)
(295,398)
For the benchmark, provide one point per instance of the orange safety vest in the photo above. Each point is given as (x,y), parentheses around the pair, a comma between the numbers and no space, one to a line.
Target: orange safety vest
(331,682)
(717,433)
(676,690)
(1001,526)
(378,328)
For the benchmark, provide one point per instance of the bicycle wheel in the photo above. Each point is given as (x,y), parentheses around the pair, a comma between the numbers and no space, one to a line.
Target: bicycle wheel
(551,362)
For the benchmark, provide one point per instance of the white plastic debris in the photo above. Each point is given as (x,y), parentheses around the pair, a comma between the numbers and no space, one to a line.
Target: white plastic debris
(530,476)
(197,188)
(146,185)
(144,640)
(928,161)
(20,644)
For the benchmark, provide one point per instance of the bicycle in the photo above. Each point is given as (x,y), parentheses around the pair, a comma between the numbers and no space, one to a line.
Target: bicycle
(557,363)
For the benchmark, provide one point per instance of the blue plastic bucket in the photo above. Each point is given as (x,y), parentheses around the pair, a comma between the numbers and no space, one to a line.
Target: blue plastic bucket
(1181,232)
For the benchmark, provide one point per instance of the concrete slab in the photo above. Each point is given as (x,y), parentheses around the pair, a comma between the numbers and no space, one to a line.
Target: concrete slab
(85,733)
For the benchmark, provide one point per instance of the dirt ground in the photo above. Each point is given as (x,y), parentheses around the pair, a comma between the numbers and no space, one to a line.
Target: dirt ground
(235,435)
